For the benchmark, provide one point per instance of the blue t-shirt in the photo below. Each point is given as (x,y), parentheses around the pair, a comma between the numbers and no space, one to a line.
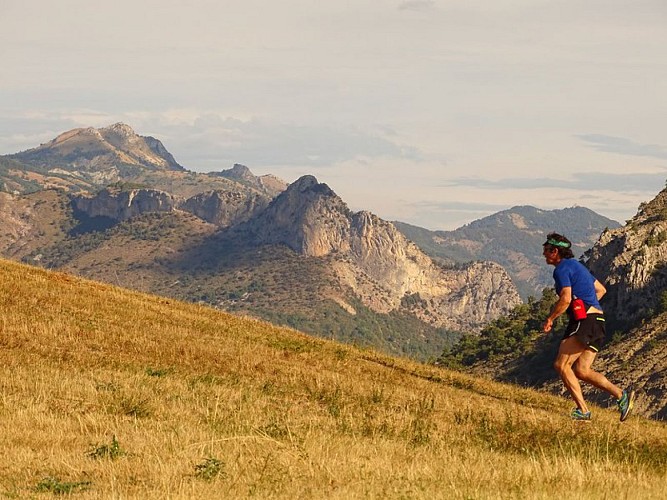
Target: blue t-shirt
(572,273)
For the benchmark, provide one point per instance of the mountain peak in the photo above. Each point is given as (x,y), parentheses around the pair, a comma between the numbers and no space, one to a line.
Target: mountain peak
(308,183)
(104,153)
(294,218)
(267,184)
(239,170)
(120,129)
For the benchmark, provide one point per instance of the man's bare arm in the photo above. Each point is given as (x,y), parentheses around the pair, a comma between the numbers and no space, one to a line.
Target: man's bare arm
(559,307)
(600,290)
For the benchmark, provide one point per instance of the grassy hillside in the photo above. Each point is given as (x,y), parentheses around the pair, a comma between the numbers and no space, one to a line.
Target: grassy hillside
(180,256)
(108,393)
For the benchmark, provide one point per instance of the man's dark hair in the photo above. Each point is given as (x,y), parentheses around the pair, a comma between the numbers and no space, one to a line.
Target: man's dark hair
(560,243)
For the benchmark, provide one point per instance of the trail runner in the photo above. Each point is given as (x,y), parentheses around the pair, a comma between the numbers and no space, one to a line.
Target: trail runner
(579,295)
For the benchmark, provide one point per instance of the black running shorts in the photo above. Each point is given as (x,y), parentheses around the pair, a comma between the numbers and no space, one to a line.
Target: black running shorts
(589,330)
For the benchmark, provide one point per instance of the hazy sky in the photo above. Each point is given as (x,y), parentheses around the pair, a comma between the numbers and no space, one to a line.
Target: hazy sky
(432,112)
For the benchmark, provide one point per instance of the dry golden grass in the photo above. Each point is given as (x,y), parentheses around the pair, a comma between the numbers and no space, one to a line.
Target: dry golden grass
(107,393)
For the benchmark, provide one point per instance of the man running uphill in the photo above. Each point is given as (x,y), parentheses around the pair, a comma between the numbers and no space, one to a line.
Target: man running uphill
(579,295)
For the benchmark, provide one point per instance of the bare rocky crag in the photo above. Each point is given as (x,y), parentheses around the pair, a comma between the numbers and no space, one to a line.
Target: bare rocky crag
(121,205)
(379,264)
(632,262)
(222,208)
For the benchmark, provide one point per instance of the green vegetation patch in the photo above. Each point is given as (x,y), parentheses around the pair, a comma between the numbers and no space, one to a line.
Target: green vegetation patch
(515,335)
(58,487)
(111,451)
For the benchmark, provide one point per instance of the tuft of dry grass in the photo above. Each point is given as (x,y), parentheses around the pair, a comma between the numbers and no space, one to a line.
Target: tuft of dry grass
(107,393)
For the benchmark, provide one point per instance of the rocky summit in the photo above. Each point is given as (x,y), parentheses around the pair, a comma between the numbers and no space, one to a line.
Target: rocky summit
(86,159)
(383,268)
(92,150)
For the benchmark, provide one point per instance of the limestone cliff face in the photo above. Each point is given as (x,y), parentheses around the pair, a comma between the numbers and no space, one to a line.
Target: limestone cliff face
(122,205)
(461,298)
(632,262)
(385,270)
(225,208)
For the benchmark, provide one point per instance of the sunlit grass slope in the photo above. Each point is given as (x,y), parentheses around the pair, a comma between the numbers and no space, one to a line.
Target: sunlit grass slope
(107,393)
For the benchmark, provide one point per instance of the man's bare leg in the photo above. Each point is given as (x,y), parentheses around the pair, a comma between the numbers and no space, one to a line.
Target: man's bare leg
(583,371)
(569,352)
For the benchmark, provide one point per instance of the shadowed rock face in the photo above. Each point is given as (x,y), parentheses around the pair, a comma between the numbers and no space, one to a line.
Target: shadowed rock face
(372,257)
(225,208)
(632,262)
(122,205)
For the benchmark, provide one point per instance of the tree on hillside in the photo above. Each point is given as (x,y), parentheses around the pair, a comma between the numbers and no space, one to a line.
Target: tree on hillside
(511,336)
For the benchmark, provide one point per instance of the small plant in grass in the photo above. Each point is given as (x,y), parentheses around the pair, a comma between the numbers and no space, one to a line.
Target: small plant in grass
(205,379)
(340,353)
(58,487)
(210,469)
(111,451)
(135,407)
(158,372)
(419,429)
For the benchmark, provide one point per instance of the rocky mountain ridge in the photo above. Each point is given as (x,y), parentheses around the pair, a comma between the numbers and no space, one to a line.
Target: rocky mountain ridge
(632,262)
(378,263)
(85,160)
(86,150)
(300,256)
(513,238)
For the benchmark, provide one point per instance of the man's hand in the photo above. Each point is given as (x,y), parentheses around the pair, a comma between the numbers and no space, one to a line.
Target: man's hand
(564,299)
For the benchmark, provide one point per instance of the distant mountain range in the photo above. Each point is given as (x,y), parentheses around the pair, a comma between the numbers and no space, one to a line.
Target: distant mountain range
(115,206)
(513,238)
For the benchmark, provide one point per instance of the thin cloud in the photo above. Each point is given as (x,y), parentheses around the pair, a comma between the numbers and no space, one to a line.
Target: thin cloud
(417,5)
(457,206)
(585,181)
(623,146)
(219,140)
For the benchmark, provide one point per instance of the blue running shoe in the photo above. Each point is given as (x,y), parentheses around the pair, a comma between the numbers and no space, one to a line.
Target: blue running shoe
(577,414)
(626,403)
